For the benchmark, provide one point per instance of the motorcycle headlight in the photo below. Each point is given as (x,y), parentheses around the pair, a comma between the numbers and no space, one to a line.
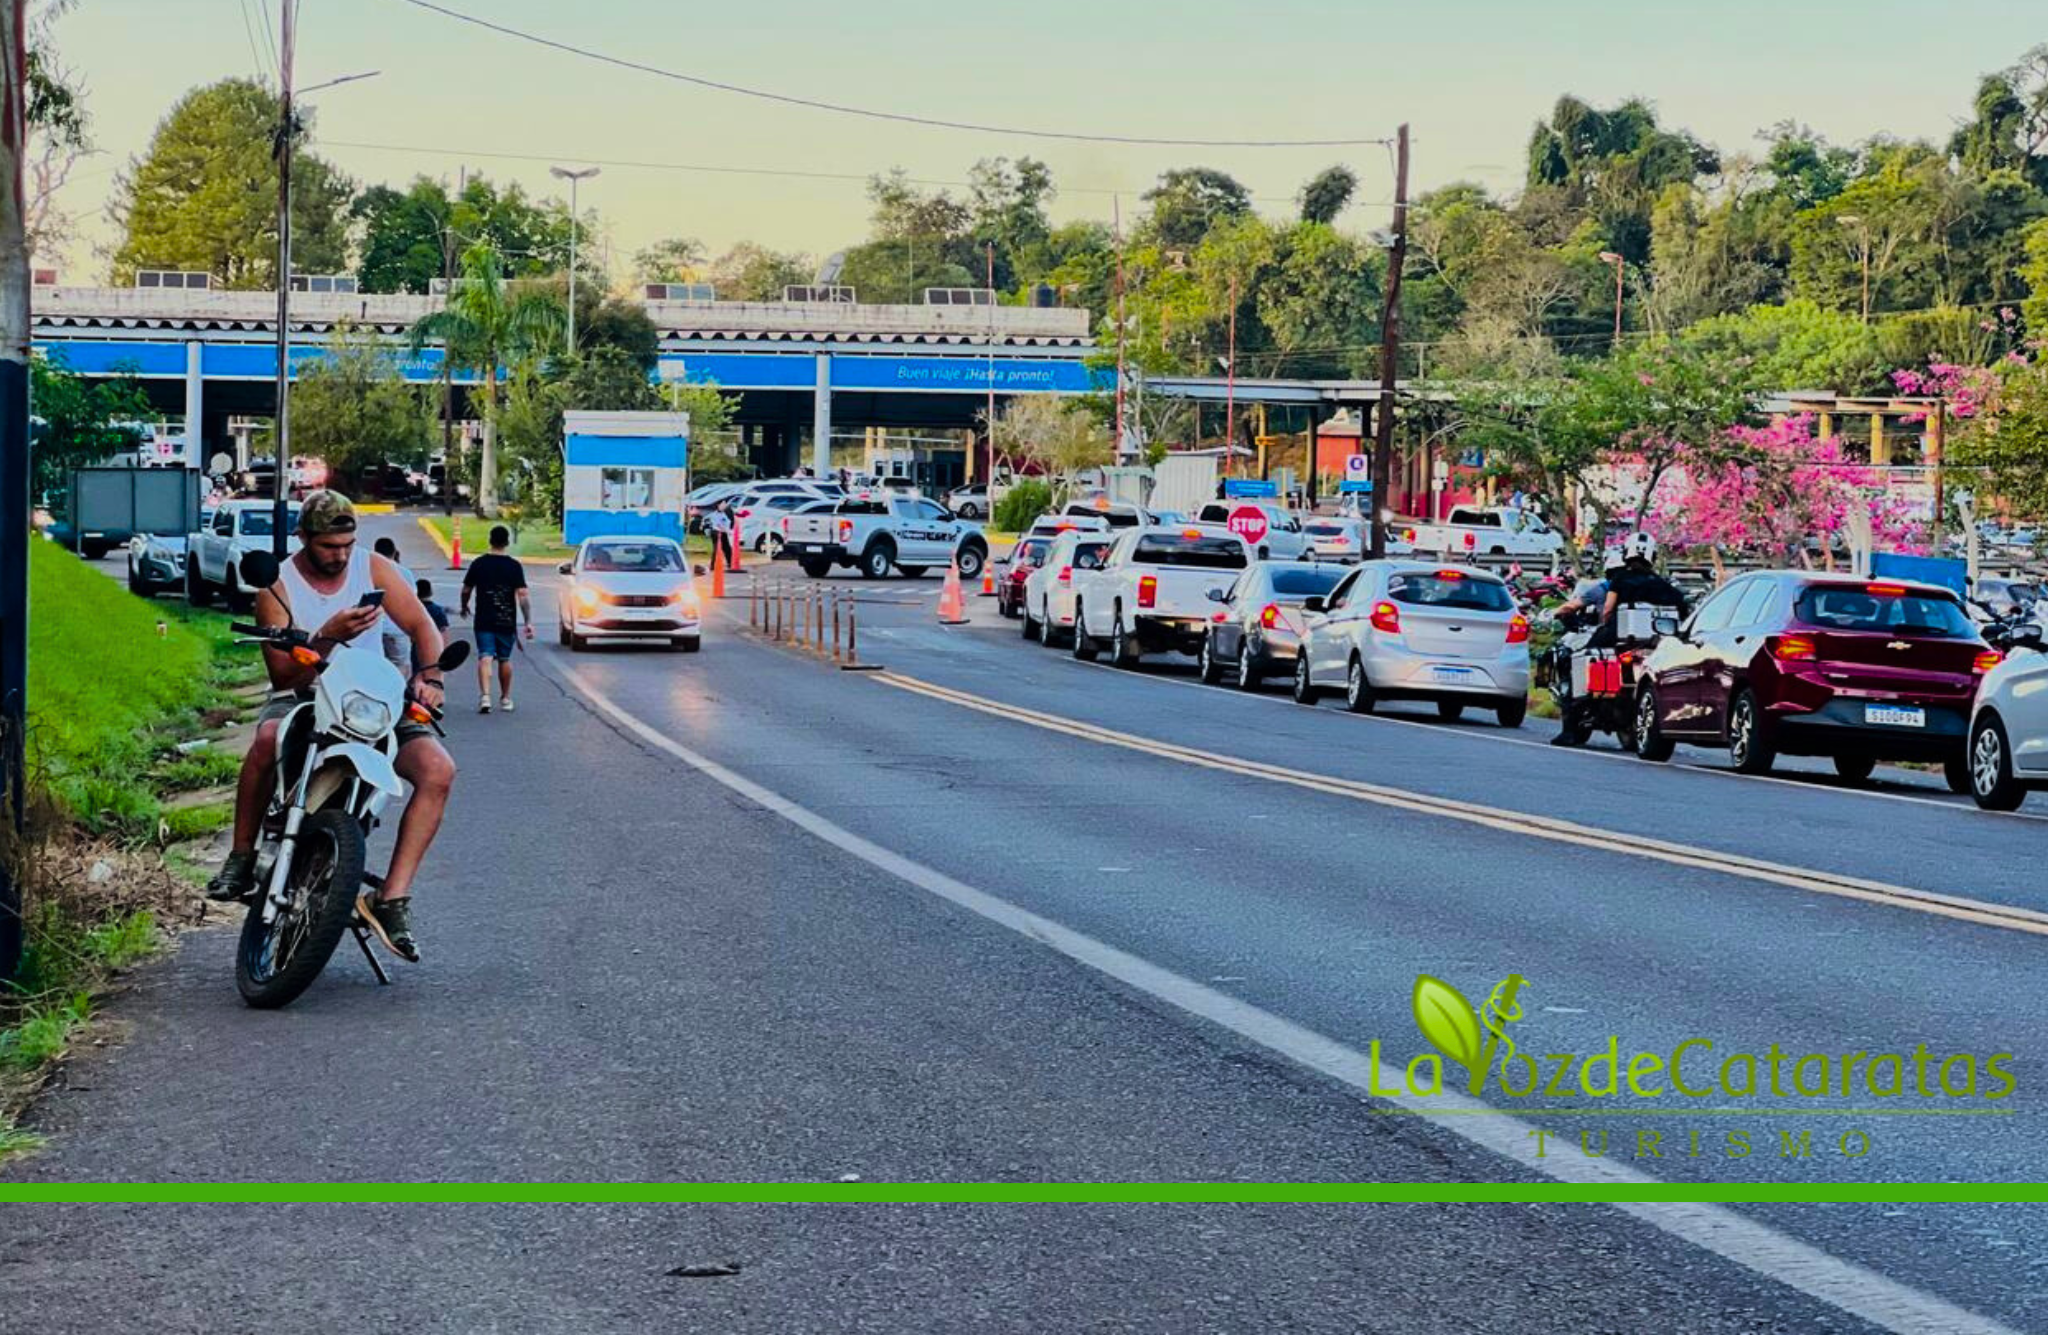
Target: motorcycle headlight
(365,715)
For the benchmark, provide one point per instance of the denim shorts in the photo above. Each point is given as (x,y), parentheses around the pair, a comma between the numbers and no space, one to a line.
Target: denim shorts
(495,643)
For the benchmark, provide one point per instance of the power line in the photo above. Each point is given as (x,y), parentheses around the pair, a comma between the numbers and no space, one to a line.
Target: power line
(790,172)
(934,122)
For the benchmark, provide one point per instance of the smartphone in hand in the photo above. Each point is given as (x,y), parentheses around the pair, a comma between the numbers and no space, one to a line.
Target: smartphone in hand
(374,598)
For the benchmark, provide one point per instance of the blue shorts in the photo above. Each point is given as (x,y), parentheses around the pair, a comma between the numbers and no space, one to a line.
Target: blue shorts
(495,643)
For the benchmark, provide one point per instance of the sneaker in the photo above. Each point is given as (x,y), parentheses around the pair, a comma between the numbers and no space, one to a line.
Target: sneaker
(483,706)
(236,879)
(506,704)
(391,920)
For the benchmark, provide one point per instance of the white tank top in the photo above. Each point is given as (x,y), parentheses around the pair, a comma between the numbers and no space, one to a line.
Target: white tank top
(310,608)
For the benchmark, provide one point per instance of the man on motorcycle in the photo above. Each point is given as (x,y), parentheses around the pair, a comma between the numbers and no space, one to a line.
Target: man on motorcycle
(1632,579)
(1573,614)
(330,589)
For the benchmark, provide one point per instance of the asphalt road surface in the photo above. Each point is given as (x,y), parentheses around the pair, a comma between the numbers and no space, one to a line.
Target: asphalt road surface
(992,914)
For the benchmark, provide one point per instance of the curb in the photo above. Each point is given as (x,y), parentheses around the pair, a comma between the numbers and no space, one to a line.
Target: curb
(447,549)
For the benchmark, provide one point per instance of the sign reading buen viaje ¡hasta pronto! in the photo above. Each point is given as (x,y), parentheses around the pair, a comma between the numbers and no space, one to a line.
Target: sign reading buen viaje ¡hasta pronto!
(1695,1075)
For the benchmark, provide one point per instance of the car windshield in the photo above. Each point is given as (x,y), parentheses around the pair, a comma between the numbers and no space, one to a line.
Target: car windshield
(1300,582)
(1449,588)
(1178,549)
(1883,608)
(633,556)
(257,523)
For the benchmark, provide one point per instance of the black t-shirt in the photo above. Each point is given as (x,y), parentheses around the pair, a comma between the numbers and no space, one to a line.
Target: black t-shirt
(494,581)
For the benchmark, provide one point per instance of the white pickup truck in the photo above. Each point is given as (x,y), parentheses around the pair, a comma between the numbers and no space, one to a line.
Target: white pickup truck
(1151,593)
(1478,531)
(213,555)
(909,533)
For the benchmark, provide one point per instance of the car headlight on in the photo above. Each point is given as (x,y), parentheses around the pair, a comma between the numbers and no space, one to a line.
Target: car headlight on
(687,601)
(587,599)
(365,715)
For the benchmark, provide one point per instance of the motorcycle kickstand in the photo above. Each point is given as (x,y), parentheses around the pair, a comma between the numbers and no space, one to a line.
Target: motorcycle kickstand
(362,935)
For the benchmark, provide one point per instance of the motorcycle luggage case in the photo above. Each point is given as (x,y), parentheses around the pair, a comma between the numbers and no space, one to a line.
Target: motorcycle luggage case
(1596,672)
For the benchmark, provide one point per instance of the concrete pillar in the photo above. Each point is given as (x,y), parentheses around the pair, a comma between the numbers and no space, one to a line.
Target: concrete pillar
(1827,426)
(195,404)
(1880,452)
(821,419)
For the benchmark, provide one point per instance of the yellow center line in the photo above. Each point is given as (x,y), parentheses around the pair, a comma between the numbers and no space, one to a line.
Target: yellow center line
(1956,907)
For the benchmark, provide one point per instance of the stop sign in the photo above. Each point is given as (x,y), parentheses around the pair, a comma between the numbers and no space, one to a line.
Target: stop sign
(1248,522)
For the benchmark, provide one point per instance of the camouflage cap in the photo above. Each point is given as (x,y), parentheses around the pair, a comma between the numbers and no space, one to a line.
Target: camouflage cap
(326,512)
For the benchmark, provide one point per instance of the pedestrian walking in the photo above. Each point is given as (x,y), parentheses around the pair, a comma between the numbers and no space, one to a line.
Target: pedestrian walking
(496,586)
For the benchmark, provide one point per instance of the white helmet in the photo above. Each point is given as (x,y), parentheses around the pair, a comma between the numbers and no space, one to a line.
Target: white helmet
(1640,546)
(1612,561)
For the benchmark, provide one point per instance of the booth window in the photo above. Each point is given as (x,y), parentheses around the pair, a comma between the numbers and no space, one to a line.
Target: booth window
(626,488)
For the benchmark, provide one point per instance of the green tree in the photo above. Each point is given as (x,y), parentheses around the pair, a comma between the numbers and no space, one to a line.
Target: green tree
(918,240)
(2034,272)
(1799,345)
(352,409)
(204,194)
(1189,201)
(1057,437)
(749,272)
(79,420)
(1007,203)
(485,326)
(2009,440)
(1327,194)
(674,259)
(404,232)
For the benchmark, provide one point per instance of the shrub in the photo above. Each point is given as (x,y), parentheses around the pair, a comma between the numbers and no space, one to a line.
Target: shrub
(1021,504)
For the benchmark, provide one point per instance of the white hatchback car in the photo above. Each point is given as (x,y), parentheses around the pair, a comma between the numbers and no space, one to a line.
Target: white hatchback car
(630,588)
(1406,630)
(1049,590)
(2008,743)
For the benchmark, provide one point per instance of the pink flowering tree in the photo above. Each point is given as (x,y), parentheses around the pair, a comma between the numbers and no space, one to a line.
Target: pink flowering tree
(1770,489)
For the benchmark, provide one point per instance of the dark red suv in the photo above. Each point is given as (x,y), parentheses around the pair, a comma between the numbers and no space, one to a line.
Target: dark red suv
(1027,556)
(1796,663)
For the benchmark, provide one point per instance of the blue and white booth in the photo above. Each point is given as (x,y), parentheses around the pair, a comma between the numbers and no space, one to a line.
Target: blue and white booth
(624,473)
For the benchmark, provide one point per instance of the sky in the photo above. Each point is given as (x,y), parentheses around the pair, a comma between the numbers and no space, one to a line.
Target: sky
(1470,76)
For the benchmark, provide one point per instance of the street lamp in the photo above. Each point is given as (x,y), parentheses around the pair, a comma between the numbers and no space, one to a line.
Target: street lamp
(1863,235)
(574,178)
(1609,257)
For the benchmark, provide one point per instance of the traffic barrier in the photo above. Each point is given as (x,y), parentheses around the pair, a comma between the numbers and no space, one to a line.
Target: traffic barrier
(753,605)
(717,572)
(952,603)
(818,618)
(837,649)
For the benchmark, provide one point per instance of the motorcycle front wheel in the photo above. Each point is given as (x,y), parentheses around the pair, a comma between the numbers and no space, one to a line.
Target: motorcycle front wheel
(278,960)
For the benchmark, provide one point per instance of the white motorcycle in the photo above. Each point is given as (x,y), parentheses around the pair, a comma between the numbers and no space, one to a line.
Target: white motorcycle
(334,776)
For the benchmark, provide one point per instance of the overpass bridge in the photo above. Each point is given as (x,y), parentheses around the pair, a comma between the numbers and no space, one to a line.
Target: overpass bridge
(803,371)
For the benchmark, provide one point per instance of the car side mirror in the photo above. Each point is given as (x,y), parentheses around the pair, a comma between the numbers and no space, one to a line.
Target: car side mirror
(259,568)
(564,568)
(698,570)
(1217,596)
(1315,603)
(1664,625)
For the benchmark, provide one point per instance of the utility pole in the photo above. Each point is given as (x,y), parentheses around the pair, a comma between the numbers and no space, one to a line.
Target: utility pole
(286,132)
(1117,217)
(1230,386)
(14,472)
(574,179)
(1390,343)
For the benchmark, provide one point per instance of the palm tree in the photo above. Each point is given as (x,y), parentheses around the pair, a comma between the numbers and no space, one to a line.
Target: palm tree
(485,326)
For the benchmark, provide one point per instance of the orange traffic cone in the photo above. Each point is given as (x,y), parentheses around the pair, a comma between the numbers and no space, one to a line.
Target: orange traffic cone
(717,570)
(737,544)
(455,548)
(988,579)
(952,602)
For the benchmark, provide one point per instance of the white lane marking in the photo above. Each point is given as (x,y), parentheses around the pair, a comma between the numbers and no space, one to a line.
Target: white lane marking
(1501,737)
(1797,1265)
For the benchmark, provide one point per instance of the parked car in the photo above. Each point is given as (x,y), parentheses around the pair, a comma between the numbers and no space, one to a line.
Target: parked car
(213,555)
(907,533)
(1257,628)
(699,500)
(1284,539)
(156,561)
(1151,592)
(757,516)
(1027,556)
(1049,590)
(1797,663)
(970,501)
(629,588)
(1405,630)
(2008,741)
(1335,539)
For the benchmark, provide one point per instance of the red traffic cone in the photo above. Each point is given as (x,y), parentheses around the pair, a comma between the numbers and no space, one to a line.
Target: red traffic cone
(952,602)
(455,548)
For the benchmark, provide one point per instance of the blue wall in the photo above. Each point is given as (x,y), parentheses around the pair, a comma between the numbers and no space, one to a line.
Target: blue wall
(626,451)
(579,525)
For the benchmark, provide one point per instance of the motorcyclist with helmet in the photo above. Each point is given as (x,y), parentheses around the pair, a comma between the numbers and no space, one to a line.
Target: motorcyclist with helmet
(1632,580)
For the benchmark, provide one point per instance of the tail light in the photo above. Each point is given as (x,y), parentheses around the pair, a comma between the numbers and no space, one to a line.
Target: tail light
(1386,617)
(1887,590)
(1518,630)
(1269,615)
(1989,659)
(1471,541)
(785,526)
(845,529)
(1450,574)
(1066,574)
(1148,591)
(1791,648)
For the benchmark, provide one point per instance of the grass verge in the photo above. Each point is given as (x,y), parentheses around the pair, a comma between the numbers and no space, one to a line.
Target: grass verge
(531,541)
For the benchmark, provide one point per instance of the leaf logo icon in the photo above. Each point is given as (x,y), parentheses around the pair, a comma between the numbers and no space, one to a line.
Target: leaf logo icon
(1447,1020)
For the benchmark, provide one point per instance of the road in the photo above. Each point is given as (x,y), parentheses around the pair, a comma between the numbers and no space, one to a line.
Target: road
(992,914)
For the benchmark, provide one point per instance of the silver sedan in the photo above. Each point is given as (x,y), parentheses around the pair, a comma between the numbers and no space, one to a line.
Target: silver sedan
(1407,630)
(1258,624)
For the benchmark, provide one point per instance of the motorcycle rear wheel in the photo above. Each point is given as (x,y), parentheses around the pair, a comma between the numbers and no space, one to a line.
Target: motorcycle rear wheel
(278,960)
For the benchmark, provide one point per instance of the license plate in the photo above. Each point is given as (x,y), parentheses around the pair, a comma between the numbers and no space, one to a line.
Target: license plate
(1897,716)
(1439,672)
